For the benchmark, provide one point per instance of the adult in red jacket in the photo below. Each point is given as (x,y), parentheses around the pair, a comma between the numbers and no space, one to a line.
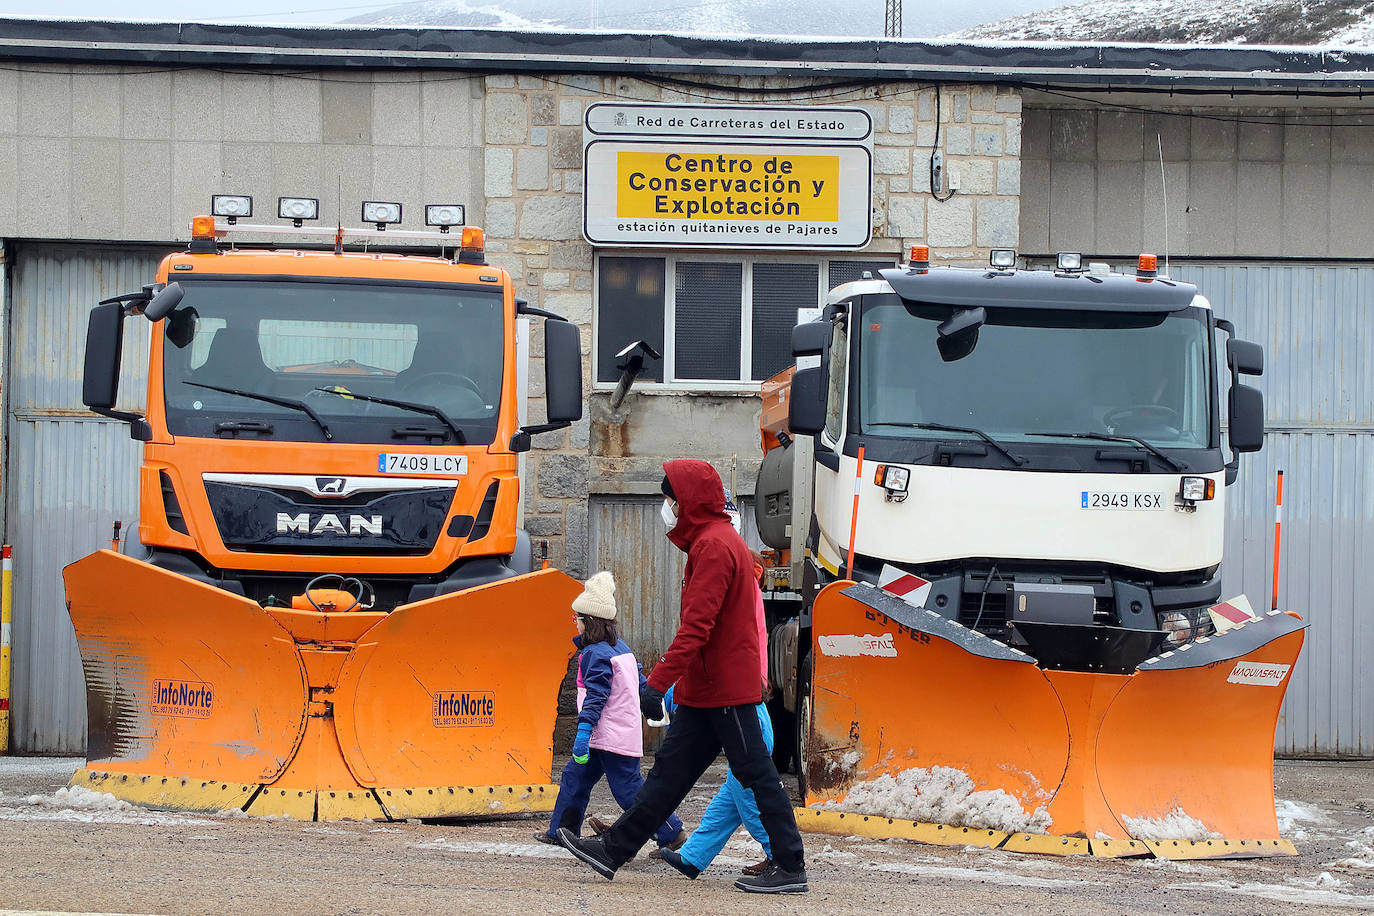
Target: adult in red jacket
(714,661)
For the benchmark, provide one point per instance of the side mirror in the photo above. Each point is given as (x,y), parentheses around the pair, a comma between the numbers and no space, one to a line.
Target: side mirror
(1247,418)
(811,339)
(806,402)
(958,334)
(163,301)
(104,344)
(1244,357)
(562,372)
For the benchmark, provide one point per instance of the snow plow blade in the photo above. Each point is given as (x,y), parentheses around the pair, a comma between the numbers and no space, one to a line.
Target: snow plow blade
(198,699)
(918,719)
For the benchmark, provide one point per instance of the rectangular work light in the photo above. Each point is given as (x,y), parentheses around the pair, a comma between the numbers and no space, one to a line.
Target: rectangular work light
(231,206)
(297,209)
(445,215)
(381,213)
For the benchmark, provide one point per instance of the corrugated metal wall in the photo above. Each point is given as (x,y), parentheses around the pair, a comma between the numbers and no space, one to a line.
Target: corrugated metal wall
(628,538)
(69,476)
(1316,324)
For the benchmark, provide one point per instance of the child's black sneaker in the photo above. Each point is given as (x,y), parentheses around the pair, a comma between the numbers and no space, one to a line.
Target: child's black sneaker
(675,859)
(590,850)
(775,880)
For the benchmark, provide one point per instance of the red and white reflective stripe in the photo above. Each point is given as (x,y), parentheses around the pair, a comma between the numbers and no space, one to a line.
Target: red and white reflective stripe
(910,588)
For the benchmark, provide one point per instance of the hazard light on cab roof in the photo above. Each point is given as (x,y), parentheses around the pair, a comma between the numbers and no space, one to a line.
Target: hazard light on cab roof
(203,227)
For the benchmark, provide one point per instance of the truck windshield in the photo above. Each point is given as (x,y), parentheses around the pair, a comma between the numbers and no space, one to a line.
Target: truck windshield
(1038,371)
(436,350)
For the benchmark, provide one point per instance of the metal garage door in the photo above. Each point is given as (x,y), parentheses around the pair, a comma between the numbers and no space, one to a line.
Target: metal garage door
(69,474)
(1316,324)
(628,538)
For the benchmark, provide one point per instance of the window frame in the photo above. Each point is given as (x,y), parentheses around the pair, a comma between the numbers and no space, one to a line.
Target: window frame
(744,385)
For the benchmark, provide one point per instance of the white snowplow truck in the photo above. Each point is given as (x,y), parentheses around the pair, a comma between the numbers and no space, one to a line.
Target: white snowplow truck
(998,505)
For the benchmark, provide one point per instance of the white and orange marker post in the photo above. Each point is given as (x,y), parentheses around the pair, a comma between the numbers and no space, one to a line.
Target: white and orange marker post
(854,516)
(6,603)
(1278,528)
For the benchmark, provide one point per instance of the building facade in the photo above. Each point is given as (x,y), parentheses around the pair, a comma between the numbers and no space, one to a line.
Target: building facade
(113,135)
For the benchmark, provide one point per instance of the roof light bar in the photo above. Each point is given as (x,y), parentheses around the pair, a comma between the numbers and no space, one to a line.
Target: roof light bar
(381,213)
(445,215)
(231,206)
(297,209)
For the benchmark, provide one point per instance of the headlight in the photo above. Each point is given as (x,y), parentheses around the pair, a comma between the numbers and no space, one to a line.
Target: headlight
(444,215)
(1069,260)
(893,479)
(1185,626)
(1004,258)
(1197,489)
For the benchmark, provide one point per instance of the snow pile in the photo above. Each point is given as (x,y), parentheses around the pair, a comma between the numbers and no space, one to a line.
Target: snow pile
(941,795)
(1363,849)
(1176,825)
(1290,813)
(79,804)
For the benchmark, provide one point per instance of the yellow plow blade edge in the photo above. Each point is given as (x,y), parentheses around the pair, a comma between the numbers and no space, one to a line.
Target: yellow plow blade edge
(201,700)
(921,721)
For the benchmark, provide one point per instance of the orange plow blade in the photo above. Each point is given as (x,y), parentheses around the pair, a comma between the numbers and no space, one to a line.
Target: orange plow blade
(921,721)
(199,699)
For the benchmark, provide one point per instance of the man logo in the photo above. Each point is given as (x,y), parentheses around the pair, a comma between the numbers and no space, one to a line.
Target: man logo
(329,524)
(330,485)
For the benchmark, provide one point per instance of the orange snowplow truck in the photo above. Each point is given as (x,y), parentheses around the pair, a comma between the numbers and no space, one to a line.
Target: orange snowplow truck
(329,611)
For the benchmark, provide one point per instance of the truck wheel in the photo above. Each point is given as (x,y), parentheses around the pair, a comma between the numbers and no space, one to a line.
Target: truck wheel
(803,722)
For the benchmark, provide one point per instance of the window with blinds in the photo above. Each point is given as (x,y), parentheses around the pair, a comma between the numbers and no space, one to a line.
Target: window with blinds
(721,322)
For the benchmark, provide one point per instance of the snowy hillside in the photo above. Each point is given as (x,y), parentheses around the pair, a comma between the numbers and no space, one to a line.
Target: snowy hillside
(840,18)
(1254,22)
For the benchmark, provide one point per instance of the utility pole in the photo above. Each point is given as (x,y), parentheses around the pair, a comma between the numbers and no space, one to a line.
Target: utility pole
(892,22)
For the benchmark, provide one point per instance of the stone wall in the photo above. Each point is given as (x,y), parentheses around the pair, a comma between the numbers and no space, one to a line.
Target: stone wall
(532,162)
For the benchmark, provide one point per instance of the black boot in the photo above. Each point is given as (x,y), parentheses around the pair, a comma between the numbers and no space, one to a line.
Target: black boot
(675,859)
(590,850)
(775,880)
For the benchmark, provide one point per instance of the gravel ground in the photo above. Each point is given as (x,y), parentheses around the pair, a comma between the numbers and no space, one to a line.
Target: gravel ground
(83,854)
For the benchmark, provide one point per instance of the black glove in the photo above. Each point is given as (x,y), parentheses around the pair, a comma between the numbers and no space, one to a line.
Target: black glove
(651,703)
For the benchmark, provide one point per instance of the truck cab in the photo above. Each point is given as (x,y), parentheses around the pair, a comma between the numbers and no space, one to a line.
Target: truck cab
(323,411)
(1044,449)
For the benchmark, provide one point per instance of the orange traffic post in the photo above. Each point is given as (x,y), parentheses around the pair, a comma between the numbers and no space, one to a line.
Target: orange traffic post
(6,604)
(1278,527)
(854,516)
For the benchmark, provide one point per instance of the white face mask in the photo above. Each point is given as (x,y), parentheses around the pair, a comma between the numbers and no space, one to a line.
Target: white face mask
(666,513)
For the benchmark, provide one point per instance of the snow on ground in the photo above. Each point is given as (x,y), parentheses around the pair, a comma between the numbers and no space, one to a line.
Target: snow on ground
(1363,848)
(1315,896)
(941,795)
(1290,813)
(80,804)
(53,769)
(1176,825)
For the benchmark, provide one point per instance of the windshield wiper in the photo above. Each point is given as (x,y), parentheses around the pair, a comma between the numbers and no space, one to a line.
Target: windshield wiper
(1107,437)
(270,399)
(1015,459)
(434,412)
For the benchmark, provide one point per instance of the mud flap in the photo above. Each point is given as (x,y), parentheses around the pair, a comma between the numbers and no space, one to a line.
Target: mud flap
(457,692)
(183,680)
(918,718)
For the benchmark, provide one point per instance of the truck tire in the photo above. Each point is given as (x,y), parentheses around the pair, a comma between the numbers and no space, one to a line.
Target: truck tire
(784,734)
(803,722)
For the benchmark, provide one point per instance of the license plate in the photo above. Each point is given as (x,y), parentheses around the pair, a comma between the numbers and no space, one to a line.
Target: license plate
(396,463)
(1122,499)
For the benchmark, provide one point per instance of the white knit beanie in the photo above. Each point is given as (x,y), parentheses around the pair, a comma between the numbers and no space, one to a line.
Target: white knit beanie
(597,598)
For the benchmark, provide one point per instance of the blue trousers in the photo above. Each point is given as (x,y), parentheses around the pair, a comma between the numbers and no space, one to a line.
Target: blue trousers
(731,806)
(622,775)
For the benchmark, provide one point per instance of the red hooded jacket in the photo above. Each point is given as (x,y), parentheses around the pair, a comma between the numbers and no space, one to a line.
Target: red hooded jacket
(714,658)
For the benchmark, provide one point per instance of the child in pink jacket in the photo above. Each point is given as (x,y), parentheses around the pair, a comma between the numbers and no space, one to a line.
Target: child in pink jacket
(609,740)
